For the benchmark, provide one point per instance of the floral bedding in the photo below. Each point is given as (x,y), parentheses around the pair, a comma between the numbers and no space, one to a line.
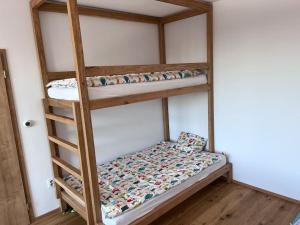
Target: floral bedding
(100,81)
(129,181)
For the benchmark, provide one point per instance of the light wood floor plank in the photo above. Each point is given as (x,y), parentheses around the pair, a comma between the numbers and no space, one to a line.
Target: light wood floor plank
(218,204)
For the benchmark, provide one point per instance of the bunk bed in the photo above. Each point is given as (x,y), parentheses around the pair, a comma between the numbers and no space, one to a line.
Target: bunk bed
(99,87)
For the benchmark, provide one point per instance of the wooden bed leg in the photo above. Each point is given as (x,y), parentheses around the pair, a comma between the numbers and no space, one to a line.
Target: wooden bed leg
(92,206)
(54,150)
(229,174)
(210,61)
(163,60)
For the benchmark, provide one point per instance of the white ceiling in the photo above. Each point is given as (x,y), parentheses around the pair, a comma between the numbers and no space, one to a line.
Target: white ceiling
(147,7)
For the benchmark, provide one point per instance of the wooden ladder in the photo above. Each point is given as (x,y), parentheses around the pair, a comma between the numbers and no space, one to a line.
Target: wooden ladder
(81,203)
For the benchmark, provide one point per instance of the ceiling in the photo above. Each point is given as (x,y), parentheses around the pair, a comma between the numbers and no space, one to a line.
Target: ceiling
(147,7)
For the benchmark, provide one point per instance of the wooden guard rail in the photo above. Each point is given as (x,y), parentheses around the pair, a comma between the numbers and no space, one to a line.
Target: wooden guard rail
(116,70)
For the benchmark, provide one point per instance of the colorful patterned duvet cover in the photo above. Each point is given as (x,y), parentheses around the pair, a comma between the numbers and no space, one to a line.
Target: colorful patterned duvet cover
(100,81)
(131,180)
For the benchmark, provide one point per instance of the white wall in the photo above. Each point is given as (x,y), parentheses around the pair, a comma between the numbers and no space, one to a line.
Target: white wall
(257,93)
(257,111)
(17,37)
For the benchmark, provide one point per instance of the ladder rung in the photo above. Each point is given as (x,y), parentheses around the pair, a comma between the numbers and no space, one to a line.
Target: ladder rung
(63,143)
(61,119)
(67,167)
(70,190)
(77,207)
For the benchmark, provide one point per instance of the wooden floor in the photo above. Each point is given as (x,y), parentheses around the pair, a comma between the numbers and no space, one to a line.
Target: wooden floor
(218,204)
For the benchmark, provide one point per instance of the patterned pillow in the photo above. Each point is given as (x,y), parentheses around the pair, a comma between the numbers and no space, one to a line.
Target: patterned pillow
(189,140)
(183,148)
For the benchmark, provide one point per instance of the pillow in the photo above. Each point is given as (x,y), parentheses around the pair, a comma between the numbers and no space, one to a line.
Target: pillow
(193,141)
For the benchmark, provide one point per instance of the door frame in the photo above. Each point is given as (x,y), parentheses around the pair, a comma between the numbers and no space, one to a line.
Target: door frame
(20,152)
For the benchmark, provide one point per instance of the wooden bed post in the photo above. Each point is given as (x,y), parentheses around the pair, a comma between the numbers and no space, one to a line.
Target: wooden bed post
(163,60)
(43,68)
(92,206)
(210,80)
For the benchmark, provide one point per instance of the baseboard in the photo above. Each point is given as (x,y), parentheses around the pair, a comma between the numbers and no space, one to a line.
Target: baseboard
(294,201)
(45,217)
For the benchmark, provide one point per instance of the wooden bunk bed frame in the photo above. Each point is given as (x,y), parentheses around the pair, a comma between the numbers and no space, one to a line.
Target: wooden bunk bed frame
(88,204)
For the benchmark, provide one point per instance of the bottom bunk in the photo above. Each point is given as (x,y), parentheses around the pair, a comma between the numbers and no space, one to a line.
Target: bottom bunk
(136,184)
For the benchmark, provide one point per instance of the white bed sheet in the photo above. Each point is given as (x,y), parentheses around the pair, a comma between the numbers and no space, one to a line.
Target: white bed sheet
(148,206)
(125,89)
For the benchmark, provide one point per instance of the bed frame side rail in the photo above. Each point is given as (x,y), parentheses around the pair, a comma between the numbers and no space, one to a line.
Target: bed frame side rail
(180,197)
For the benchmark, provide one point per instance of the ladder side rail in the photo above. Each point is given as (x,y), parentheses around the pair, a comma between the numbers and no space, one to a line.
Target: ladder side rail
(93,207)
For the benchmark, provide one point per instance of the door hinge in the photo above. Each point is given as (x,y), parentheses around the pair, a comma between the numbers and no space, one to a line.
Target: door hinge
(4,74)
(28,206)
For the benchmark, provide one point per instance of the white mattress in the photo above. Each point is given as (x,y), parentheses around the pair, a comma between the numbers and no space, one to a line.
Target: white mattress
(148,206)
(125,89)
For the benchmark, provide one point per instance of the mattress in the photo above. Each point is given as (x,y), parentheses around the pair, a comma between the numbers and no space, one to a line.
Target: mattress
(67,93)
(134,184)
(147,207)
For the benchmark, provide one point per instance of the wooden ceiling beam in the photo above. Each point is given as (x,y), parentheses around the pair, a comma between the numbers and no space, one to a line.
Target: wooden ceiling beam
(193,4)
(182,15)
(59,7)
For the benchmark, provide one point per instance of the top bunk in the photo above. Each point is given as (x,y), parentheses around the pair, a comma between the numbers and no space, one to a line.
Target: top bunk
(159,12)
(108,86)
